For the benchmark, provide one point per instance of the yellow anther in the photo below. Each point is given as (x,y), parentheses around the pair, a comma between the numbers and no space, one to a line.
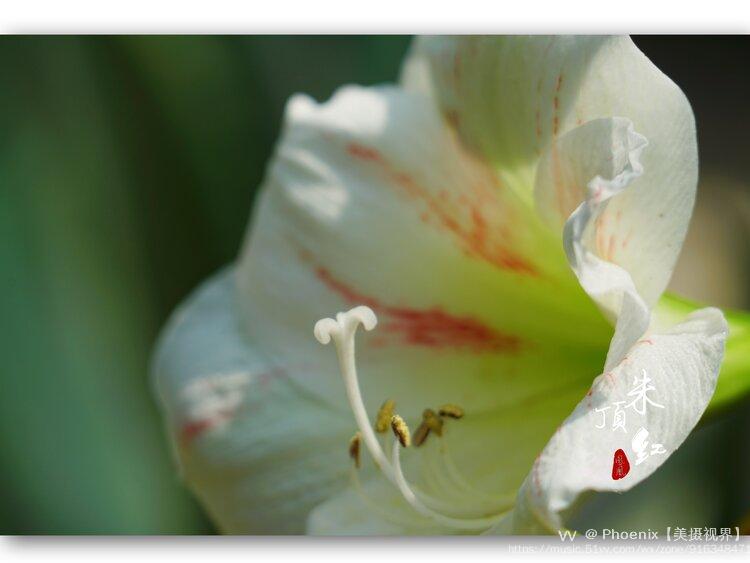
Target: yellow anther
(401,430)
(451,411)
(433,421)
(354,448)
(384,416)
(421,434)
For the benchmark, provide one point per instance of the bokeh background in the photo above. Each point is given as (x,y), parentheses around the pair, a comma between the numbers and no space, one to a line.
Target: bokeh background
(128,169)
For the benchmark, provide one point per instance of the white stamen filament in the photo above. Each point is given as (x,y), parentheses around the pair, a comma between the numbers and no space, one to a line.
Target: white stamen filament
(342,331)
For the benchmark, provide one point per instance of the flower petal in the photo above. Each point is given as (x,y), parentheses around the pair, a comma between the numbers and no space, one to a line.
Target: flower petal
(608,148)
(376,508)
(597,161)
(588,453)
(371,200)
(509,95)
(257,451)
(511,98)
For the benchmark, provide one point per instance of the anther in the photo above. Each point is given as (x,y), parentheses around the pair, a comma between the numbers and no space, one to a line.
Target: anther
(384,416)
(433,421)
(451,411)
(423,430)
(401,430)
(354,444)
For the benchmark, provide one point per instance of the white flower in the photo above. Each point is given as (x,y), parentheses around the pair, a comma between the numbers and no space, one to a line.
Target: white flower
(511,213)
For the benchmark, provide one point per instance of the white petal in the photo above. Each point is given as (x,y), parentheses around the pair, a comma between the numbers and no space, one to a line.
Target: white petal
(608,148)
(257,451)
(683,366)
(377,509)
(371,200)
(511,97)
(597,162)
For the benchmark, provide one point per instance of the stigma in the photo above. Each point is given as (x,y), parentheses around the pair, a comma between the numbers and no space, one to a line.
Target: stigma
(475,513)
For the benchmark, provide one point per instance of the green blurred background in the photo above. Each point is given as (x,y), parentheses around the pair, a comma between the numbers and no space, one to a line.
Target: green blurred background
(128,168)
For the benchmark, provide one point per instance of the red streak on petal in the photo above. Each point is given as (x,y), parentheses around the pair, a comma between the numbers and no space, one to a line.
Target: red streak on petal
(557,180)
(556,106)
(535,475)
(364,153)
(453,118)
(457,69)
(347,293)
(192,429)
(431,328)
(611,248)
(601,230)
(464,218)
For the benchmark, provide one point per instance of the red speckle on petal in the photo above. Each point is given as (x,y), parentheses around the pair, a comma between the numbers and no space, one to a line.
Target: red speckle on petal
(431,328)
